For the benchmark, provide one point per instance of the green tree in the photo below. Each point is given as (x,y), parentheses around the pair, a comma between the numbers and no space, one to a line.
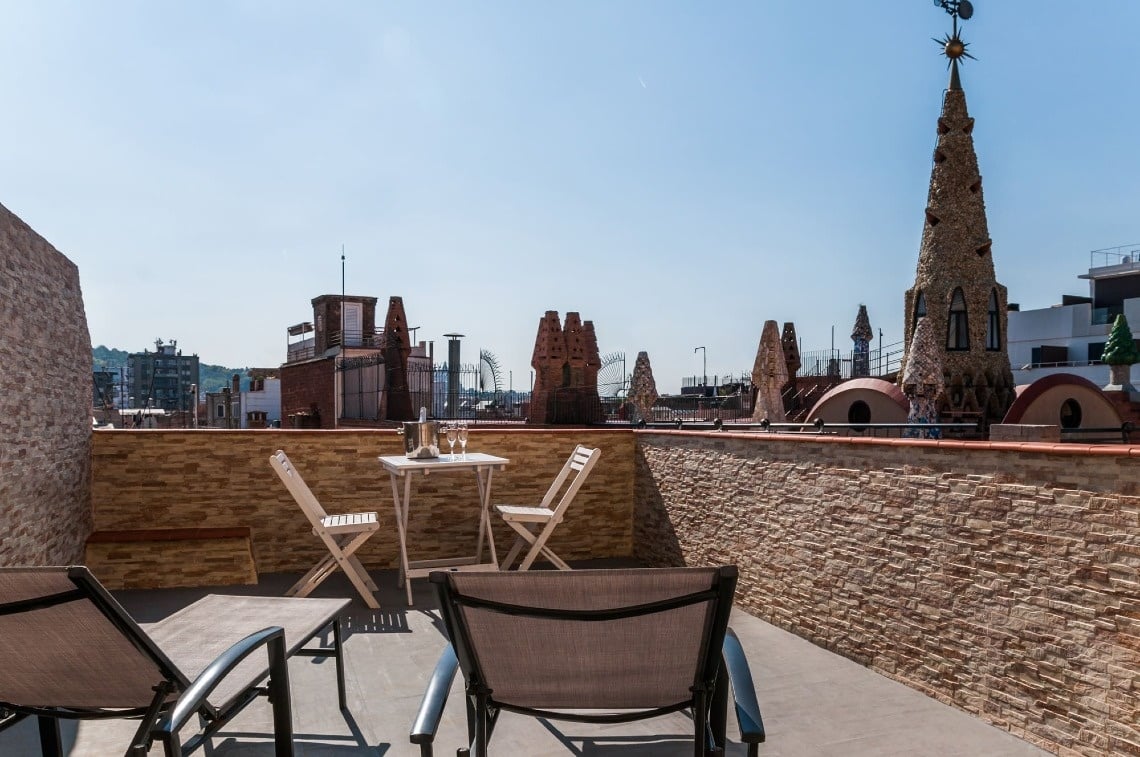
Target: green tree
(1120,349)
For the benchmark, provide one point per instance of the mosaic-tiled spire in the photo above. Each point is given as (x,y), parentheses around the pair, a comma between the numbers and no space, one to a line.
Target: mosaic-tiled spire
(922,379)
(955,286)
(861,335)
(769,374)
(642,388)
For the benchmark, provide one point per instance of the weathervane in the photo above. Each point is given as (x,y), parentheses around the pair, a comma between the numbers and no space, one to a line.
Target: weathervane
(952,45)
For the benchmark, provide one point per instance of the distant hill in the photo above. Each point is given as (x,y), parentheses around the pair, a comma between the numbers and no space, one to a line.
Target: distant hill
(213,378)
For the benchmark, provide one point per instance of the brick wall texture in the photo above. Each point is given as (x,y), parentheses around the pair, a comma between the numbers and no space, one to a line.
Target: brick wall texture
(307,385)
(156,479)
(1001,578)
(45,402)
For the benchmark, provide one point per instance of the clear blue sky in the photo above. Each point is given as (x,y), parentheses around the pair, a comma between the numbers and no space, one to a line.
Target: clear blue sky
(676,172)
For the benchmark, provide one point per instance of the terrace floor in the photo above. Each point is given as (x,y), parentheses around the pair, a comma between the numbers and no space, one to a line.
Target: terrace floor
(814,702)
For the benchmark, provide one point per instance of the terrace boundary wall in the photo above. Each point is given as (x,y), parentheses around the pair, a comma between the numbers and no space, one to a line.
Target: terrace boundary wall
(221,479)
(1002,578)
(46,396)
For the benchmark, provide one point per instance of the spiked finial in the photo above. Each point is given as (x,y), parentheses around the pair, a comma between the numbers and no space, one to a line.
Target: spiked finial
(953,46)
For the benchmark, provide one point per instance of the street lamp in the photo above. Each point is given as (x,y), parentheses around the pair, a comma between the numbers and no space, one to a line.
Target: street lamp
(704,365)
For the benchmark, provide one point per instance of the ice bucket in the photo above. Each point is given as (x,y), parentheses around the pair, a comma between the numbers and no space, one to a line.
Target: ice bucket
(421,439)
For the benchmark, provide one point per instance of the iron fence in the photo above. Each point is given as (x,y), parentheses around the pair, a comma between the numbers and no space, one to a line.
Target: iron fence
(845,365)
(461,393)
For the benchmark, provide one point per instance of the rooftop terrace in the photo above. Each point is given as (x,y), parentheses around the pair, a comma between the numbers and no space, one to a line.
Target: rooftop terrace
(814,702)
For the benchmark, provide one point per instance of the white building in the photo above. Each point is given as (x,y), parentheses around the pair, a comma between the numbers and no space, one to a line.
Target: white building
(263,397)
(1070,337)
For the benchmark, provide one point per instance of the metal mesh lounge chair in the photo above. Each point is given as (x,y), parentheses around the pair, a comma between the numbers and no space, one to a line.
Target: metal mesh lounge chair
(534,525)
(601,646)
(342,535)
(69,650)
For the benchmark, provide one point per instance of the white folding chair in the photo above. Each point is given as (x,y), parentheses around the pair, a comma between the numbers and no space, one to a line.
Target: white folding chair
(534,525)
(342,536)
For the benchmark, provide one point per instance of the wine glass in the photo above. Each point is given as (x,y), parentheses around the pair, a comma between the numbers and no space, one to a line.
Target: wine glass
(452,435)
(462,435)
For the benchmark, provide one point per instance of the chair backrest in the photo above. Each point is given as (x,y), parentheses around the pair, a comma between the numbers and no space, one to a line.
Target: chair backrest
(587,639)
(570,479)
(66,644)
(296,485)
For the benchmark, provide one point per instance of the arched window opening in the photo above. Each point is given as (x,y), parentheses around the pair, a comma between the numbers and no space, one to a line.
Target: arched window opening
(1071,414)
(993,324)
(957,325)
(919,311)
(858,414)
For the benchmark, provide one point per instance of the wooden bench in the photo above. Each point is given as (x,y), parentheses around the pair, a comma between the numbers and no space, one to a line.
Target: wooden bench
(159,558)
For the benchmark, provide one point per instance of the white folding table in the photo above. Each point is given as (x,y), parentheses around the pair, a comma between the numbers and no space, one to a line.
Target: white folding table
(401,467)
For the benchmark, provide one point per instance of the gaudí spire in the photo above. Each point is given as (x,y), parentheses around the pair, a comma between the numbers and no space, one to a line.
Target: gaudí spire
(955,286)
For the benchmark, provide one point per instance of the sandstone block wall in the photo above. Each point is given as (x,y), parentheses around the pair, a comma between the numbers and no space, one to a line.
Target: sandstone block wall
(1002,578)
(45,402)
(144,561)
(221,479)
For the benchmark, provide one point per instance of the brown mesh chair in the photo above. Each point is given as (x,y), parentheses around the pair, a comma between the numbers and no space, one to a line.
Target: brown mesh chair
(598,646)
(69,650)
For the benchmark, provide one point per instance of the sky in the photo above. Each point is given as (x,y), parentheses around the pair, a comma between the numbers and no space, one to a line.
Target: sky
(676,172)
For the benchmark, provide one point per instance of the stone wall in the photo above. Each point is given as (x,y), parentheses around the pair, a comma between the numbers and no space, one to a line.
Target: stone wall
(222,479)
(1002,578)
(45,402)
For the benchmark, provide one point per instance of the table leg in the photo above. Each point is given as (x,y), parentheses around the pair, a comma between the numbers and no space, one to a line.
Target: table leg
(484,478)
(402,528)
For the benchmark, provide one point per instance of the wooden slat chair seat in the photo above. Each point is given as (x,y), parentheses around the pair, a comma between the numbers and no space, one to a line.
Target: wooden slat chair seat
(341,534)
(534,525)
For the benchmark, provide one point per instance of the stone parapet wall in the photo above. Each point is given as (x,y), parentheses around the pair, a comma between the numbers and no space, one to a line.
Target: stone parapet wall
(221,479)
(1002,578)
(46,396)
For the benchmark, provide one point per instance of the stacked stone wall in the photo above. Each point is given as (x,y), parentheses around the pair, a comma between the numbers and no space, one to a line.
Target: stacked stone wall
(222,479)
(45,401)
(1002,578)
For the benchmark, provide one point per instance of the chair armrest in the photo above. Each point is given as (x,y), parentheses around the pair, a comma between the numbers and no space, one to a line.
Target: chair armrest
(435,697)
(194,697)
(743,690)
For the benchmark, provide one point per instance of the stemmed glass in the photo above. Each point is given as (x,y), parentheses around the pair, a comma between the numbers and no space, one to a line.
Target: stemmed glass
(463,438)
(452,435)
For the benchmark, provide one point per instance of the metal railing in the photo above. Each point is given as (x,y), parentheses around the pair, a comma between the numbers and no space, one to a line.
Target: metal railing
(879,362)
(447,394)
(1125,254)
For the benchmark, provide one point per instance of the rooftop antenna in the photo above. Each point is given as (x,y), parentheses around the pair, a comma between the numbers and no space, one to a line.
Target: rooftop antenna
(343,341)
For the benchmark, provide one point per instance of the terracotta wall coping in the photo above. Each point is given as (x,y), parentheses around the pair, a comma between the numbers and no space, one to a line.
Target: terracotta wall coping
(1100,450)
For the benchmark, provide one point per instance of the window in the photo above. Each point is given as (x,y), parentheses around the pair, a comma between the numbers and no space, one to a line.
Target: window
(957,326)
(993,324)
(1070,414)
(858,414)
(919,311)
